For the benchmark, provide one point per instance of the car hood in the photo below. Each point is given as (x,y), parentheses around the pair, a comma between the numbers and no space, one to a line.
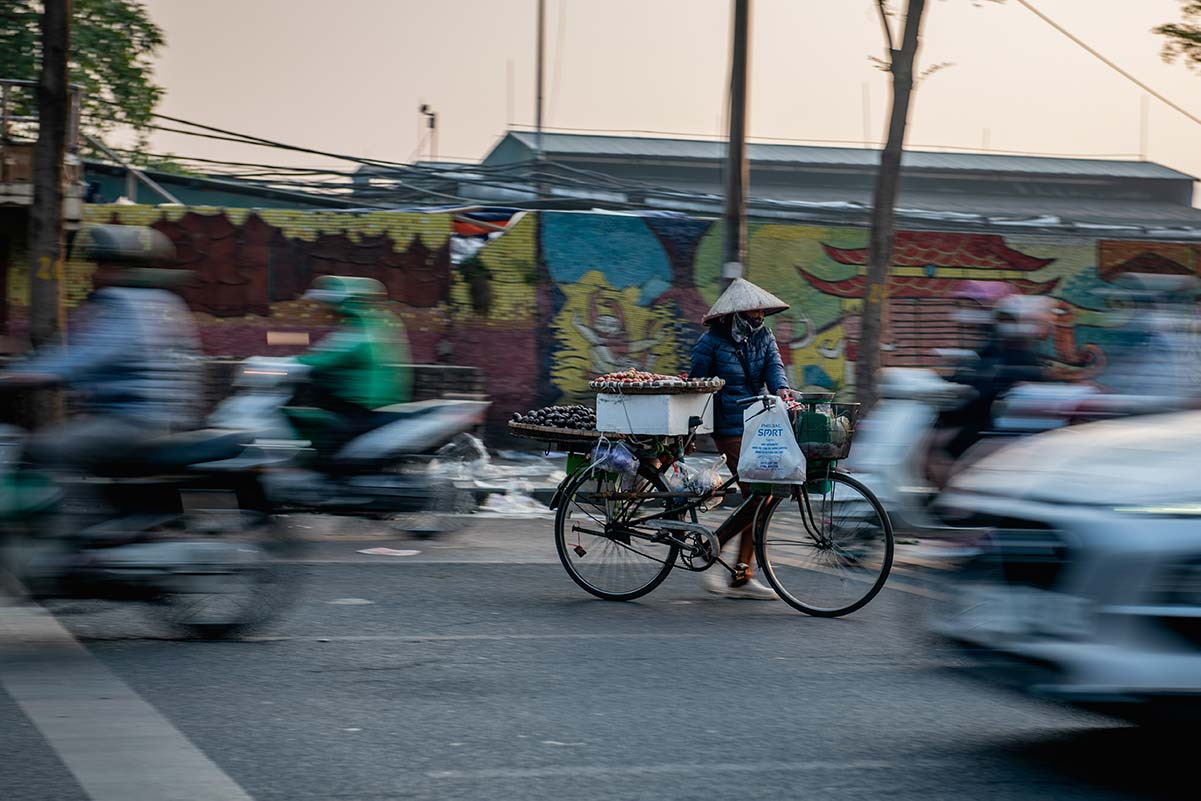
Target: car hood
(1144,460)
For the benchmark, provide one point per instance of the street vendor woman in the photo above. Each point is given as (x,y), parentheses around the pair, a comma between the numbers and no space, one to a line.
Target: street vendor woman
(740,349)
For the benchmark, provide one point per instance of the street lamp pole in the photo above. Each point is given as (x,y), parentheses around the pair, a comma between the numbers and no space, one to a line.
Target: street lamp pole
(431,117)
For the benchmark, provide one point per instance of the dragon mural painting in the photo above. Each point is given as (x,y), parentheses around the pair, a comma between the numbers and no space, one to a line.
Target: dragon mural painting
(926,269)
(608,276)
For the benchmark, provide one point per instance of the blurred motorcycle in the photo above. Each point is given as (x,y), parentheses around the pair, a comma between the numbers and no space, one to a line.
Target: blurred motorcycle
(183,525)
(1155,368)
(407,466)
(894,444)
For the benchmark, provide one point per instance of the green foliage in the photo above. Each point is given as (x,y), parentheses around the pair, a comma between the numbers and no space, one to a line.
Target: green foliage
(1183,39)
(112,45)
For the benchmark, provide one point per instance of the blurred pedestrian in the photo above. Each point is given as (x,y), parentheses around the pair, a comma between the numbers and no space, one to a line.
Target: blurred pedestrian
(741,350)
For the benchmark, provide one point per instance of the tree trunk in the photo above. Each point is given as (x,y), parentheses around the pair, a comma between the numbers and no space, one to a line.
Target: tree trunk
(888,180)
(46,215)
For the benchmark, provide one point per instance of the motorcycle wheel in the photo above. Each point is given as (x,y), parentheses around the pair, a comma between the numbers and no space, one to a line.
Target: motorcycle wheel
(232,598)
(446,505)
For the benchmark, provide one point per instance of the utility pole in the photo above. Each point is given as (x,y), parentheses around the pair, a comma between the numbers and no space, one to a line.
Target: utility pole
(1143,127)
(538,111)
(538,69)
(734,243)
(508,94)
(46,214)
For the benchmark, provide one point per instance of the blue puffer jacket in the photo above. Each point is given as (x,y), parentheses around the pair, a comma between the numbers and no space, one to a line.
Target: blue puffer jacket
(715,356)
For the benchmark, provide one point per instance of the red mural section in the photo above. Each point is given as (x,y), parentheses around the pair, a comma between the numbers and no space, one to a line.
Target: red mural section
(251,277)
(243,269)
(921,302)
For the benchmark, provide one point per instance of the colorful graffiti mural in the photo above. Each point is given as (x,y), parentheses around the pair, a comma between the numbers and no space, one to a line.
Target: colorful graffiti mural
(561,297)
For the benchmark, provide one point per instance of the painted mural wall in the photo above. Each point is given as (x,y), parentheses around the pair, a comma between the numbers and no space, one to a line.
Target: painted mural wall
(561,296)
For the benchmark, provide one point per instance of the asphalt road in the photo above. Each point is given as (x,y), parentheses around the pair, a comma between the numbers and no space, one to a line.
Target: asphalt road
(475,669)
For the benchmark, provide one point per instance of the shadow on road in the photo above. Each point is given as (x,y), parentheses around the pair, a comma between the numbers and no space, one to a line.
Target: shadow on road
(1141,762)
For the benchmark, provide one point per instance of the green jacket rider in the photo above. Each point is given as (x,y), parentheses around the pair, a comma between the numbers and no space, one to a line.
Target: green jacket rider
(364,364)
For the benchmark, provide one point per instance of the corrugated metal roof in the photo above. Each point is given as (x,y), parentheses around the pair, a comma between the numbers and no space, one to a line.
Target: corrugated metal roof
(559,144)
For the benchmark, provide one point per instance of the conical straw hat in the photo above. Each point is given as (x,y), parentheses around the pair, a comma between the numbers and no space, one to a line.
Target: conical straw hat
(742,295)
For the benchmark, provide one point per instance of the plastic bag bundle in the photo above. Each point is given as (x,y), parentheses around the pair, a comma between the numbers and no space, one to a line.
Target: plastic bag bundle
(684,477)
(615,457)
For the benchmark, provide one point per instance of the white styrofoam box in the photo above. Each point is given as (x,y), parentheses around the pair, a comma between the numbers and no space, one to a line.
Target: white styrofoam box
(653,414)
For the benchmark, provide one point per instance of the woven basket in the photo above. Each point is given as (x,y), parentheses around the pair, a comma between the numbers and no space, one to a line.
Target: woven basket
(824,430)
(567,436)
(699,386)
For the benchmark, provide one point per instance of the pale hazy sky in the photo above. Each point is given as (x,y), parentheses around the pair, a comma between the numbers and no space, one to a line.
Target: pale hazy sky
(348,75)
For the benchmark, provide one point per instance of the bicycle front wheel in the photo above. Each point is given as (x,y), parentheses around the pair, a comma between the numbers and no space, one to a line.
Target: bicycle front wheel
(599,551)
(828,550)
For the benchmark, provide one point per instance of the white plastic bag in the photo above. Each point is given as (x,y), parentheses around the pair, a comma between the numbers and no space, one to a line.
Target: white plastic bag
(770,452)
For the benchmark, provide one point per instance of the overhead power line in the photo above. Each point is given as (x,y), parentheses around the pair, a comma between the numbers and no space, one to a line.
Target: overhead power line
(1161,98)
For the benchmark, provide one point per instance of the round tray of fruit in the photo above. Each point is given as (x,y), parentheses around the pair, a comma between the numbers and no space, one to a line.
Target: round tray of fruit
(637,382)
(557,424)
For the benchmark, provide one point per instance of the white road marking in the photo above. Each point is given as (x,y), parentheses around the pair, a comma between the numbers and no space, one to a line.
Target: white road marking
(389,552)
(457,637)
(118,747)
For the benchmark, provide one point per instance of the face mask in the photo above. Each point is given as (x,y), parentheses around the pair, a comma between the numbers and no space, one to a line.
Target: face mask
(752,323)
(740,329)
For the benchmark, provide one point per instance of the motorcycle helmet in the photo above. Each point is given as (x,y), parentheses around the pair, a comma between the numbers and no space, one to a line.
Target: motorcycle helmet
(982,297)
(133,256)
(345,291)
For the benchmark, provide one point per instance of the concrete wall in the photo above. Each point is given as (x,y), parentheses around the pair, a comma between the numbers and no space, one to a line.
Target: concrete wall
(562,296)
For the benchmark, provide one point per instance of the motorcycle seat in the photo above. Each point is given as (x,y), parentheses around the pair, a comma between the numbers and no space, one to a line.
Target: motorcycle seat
(175,451)
(400,411)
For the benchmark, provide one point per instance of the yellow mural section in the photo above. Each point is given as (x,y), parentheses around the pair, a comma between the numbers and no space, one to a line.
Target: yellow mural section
(402,227)
(510,262)
(601,329)
(810,333)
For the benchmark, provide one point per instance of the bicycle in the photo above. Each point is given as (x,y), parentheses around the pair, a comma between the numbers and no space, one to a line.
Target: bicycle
(825,546)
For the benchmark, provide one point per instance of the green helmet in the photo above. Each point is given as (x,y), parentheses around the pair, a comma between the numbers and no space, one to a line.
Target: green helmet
(344,291)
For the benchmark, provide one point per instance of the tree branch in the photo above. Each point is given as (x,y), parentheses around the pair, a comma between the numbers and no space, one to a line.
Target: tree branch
(887,29)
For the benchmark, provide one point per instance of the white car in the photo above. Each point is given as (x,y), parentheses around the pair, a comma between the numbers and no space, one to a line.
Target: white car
(1088,589)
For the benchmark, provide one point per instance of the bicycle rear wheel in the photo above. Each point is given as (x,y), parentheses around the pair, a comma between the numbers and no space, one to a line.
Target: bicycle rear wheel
(826,551)
(597,551)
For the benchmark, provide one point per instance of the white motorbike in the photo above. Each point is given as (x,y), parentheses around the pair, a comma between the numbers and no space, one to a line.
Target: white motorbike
(893,444)
(405,465)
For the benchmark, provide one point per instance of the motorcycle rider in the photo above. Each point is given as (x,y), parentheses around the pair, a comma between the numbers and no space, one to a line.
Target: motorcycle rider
(360,367)
(134,361)
(1008,357)
(133,364)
